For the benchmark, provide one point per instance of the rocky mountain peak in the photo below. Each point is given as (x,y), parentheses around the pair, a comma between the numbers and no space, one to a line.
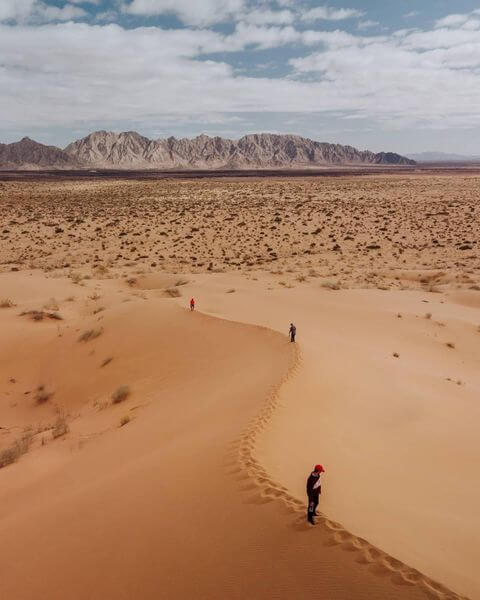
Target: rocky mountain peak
(131,150)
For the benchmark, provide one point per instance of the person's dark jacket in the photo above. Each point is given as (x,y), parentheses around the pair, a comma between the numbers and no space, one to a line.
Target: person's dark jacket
(313,485)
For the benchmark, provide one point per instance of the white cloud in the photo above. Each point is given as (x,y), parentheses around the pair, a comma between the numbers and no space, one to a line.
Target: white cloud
(416,77)
(71,73)
(36,11)
(465,21)
(451,20)
(191,12)
(328,13)
(265,17)
(16,9)
(368,24)
(54,13)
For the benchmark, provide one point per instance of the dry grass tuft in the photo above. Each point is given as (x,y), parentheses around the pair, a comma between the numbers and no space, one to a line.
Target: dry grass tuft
(39,315)
(12,453)
(42,395)
(121,394)
(90,334)
(52,305)
(7,303)
(124,420)
(60,428)
(330,285)
(173,292)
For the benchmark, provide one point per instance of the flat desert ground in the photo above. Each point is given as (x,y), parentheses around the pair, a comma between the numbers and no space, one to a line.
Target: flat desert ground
(147,451)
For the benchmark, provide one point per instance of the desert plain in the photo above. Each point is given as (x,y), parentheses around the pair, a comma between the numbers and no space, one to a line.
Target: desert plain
(147,451)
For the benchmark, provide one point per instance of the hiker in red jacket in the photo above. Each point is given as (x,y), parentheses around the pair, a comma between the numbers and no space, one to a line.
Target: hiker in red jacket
(192,304)
(314,489)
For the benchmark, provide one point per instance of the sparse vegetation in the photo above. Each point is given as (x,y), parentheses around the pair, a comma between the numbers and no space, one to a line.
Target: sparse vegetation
(173,292)
(450,345)
(6,303)
(42,395)
(90,334)
(61,427)
(124,420)
(52,305)
(330,285)
(39,315)
(107,361)
(121,394)
(12,453)
(76,277)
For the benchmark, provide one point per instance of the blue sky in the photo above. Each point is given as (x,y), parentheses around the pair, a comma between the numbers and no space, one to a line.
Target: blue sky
(398,75)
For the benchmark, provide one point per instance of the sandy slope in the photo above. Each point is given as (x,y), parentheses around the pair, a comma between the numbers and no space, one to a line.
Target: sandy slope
(172,504)
(398,435)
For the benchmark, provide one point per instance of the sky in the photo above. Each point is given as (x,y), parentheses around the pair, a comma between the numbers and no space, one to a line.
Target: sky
(393,75)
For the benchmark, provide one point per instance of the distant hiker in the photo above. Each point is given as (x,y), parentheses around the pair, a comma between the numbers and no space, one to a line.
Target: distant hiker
(314,489)
(192,304)
(293,332)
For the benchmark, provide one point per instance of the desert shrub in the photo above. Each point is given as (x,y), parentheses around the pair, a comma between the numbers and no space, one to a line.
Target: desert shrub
(181,282)
(124,420)
(231,291)
(42,395)
(75,277)
(60,428)
(39,315)
(173,292)
(52,305)
(428,315)
(450,345)
(107,361)
(330,285)
(12,453)
(90,334)
(121,394)
(6,303)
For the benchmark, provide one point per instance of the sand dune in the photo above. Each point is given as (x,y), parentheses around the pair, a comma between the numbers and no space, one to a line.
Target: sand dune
(157,453)
(172,504)
(398,433)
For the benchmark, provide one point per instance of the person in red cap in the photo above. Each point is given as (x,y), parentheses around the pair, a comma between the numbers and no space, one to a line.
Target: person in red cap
(314,489)
(192,304)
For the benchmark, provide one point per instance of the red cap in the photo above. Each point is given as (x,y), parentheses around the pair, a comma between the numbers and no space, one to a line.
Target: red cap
(319,468)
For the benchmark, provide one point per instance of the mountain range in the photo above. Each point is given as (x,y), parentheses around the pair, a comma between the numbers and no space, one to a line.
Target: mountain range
(130,150)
